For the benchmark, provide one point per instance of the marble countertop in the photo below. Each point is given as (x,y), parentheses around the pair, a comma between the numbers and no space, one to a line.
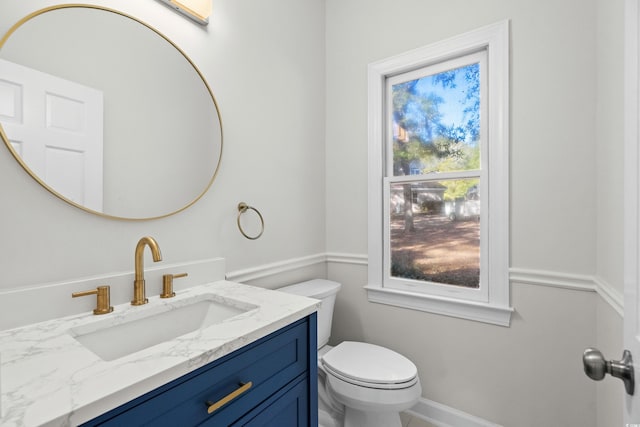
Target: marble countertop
(47,378)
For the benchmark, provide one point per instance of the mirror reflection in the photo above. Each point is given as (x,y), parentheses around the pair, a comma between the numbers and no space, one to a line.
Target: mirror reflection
(106,113)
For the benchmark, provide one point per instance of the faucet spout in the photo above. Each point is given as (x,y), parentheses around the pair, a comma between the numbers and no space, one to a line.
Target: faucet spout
(139,294)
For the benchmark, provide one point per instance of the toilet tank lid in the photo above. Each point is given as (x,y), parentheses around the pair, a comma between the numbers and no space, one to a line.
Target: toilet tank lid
(316,288)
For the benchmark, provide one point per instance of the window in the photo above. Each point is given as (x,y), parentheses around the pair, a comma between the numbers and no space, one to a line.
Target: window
(438,178)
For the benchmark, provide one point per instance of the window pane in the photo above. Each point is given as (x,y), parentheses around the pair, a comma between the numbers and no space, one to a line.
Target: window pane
(435,231)
(436,122)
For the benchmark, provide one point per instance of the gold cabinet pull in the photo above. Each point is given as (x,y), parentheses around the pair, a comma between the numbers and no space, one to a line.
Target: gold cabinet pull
(244,387)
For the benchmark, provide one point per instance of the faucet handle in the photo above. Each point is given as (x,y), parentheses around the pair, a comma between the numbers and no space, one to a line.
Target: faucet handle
(104,299)
(167,284)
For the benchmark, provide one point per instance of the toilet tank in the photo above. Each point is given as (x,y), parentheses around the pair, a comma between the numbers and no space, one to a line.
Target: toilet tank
(324,290)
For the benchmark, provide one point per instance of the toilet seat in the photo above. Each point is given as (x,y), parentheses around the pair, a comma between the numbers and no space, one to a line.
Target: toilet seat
(369,365)
(372,399)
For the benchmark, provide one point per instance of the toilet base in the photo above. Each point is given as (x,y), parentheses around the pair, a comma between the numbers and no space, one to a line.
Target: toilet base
(356,418)
(326,420)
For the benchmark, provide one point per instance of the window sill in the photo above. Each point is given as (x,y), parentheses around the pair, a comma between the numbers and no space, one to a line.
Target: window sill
(470,310)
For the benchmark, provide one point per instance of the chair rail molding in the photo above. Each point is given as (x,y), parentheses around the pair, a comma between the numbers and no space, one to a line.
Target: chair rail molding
(554,279)
(271,269)
(576,282)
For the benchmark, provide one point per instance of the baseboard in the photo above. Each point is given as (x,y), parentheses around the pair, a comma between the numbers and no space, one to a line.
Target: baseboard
(444,416)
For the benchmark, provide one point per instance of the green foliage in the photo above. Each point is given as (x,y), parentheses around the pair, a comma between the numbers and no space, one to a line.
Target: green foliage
(416,113)
(458,188)
(468,159)
(423,140)
(426,139)
(472,110)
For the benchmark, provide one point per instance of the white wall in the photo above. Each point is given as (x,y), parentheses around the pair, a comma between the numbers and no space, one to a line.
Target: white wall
(529,374)
(264,62)
(609,147)
(609,185)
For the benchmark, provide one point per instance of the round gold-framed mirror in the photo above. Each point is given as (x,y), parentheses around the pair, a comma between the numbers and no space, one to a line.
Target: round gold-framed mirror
(107,113)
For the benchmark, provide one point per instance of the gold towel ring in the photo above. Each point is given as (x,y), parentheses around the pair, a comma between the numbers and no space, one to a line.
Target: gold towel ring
(242,208)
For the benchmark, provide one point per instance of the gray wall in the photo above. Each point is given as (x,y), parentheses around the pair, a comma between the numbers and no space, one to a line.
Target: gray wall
(564,203)
(609,185)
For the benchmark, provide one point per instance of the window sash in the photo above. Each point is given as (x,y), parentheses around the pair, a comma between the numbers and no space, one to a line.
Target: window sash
(479,57)
(480,294)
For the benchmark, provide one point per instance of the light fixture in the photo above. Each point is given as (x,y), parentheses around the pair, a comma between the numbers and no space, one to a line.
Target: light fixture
(198,10)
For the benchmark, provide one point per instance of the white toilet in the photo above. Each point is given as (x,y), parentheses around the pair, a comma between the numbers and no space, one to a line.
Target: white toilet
(359,384)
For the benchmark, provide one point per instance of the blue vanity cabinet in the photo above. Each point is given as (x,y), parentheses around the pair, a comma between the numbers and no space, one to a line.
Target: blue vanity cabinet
(282,370)
(289,408)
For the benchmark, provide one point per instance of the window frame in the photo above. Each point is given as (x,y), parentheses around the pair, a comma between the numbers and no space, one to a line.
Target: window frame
(481,293)
(491,303)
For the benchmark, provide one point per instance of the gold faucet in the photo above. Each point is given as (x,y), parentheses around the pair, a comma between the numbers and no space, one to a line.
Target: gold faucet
(104,299)
(139,296)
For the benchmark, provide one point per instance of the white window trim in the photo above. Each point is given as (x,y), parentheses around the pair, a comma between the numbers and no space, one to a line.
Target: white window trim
(480,294)
(494,38)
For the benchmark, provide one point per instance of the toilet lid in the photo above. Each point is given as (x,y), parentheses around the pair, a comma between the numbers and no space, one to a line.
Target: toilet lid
(369,364)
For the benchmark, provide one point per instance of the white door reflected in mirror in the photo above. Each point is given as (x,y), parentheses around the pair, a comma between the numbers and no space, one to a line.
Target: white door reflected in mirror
(56,127)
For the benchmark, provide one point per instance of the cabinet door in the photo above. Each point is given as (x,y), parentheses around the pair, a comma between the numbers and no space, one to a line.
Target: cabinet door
(290,408)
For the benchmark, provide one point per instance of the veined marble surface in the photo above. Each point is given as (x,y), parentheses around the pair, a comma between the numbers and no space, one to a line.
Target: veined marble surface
(49,379)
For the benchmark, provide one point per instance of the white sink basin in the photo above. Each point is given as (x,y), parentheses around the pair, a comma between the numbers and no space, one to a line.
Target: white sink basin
(139,331)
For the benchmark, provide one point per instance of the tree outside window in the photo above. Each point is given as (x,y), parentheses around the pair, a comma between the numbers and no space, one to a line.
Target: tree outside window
(434,223)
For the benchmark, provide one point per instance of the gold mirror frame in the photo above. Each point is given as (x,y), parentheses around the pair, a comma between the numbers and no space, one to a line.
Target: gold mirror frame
(41,181)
